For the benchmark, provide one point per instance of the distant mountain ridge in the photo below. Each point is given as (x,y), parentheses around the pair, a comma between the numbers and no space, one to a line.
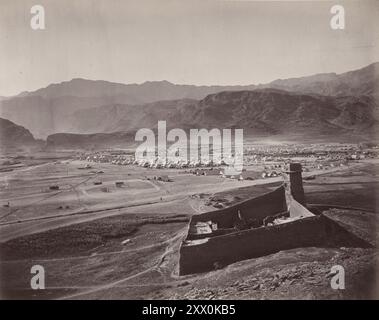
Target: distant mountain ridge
(261,113)
(88,106)
(49,110)
(364,81)
(149,91)
(276,111)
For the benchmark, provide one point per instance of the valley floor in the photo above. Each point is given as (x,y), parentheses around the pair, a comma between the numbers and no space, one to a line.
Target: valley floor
(123,243)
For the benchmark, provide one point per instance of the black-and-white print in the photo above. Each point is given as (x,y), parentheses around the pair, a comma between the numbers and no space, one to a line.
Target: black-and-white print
(196,150)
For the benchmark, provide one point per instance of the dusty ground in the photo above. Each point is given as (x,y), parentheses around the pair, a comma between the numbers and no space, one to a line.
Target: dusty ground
(81,246)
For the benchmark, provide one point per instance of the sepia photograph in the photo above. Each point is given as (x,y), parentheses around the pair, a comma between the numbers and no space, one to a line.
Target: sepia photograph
(217,150)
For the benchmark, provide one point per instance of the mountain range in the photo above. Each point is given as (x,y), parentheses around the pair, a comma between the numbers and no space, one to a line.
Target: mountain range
(364,81)
(327,104)
(13,135)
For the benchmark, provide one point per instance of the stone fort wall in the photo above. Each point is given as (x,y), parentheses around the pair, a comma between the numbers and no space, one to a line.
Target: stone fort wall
(258,208)
(219,251)
(225,249)
(307,230)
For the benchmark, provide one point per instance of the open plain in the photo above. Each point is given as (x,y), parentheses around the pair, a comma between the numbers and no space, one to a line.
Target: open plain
(98,240)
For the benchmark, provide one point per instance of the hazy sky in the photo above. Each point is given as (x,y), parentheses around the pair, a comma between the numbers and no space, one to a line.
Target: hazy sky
(191,42)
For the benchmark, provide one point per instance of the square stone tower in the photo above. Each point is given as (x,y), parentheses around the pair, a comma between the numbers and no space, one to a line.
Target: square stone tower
(295,182)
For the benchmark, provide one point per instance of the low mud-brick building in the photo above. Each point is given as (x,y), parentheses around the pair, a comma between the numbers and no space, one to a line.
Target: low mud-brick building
(278,220)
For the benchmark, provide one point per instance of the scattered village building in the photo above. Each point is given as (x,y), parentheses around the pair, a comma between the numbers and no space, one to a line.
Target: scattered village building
(104,189)
(119,184)
(164,178)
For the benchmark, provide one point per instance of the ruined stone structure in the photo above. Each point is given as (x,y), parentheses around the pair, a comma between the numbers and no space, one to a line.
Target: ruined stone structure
(295,181)
(275,221)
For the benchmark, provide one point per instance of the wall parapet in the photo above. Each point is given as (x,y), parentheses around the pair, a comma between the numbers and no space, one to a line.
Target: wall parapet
(257,208)
(225,249)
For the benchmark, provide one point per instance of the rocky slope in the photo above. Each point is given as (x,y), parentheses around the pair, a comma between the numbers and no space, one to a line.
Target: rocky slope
(13,135)
(262,112)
